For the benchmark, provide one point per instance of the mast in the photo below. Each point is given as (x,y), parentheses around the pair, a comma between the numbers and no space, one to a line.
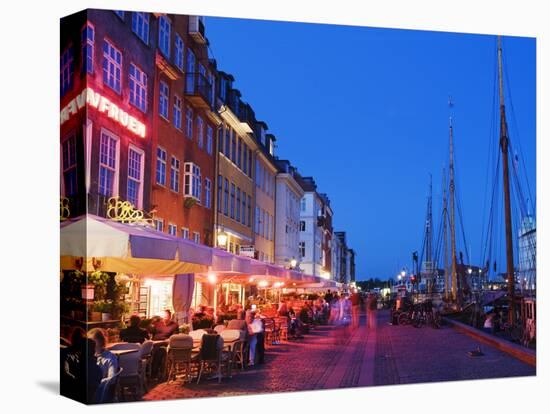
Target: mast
(445,237)
(510,277)
(429,240)
(454,276)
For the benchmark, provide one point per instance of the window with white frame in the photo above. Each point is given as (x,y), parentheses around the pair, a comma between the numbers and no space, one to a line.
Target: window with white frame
(164,93)
(172,229)
(87,40)
(193,181)
(249,211)
(302,225)
(209,140)
(135,176)
(164,35)
(108,164)
(70,178)
(258,221)
(175,174)
(185,233)
(179,50)
(159,224)
(112,66)
(66,70)
(177,112)
(207,192)
(200,132)
(196,237)
(138,88)
(189,122)
(303,204)
(190,79)
(140,25)
(161,166)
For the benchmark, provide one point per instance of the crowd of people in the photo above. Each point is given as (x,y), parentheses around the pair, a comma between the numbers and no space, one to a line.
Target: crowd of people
(87,366)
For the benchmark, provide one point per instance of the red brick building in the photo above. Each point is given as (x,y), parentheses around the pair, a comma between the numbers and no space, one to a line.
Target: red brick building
(185,125)
(106,73)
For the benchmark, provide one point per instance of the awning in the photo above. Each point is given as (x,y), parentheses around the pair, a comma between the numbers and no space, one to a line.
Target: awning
(103,244)
(226,263)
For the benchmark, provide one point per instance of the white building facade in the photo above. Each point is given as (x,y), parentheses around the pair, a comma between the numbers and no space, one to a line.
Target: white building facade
(287,215)
(311,234)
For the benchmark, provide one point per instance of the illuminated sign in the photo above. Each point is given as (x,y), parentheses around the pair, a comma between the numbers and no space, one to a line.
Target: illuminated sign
(94,99)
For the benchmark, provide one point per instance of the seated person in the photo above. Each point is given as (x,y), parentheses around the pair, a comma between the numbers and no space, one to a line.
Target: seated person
(106,360)
(165,327)
(134,333)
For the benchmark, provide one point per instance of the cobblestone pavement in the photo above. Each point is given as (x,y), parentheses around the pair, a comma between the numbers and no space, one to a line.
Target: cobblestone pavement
(328,358)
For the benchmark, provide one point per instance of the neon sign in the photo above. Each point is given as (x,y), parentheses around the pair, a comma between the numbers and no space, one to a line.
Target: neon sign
(94,99)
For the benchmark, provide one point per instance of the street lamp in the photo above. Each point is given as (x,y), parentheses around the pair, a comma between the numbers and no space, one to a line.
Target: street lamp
(403,273)
(470,270)
(293,263)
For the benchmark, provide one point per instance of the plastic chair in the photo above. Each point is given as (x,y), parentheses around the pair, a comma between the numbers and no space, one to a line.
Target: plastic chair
(125,346)
(107,391)
(146,355)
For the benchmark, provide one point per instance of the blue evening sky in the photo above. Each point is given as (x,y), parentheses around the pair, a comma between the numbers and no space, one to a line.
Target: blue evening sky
(365,112)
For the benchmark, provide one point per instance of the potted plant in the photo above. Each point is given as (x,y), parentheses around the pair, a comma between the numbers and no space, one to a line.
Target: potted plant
(104,308)
(189,202)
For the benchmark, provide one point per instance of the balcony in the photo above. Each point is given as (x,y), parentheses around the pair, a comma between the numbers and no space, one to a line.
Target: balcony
(196,29)
(198,90)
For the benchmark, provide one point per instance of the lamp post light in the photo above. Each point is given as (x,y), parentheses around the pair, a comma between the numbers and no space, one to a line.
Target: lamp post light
(222,239)
(293,263)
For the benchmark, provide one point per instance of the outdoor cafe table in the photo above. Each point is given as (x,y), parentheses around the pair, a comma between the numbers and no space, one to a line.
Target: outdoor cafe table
(119,352)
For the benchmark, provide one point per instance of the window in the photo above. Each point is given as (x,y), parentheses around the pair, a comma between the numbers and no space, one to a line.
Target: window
(302,248)
(245,158)
(223,86)
(207,192)
(209,140)
(140,25)
(226,197)
(249,211)
(232,210)
(190,79)
(172,229)
(138,88)
(87,41)
(175,174)
(233,146)
(70,179)
(196,237)
(239,149)
(119,13)
(108,160)
(135,176)
(178,52)
(185,233)
(66,70)
(302,225)
(243,208)
(227,132)
(303,204)
(219,201)
(177,112)
(189,122)
(161,166)
(164,35)
(163,99)
(250,163)
(159,224)
(193,181)
(220,140)
(238,205)
(258,221)
(112,66)
(200,132)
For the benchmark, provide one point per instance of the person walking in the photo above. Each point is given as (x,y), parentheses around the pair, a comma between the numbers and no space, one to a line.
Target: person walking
(355,299)
(372,305)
